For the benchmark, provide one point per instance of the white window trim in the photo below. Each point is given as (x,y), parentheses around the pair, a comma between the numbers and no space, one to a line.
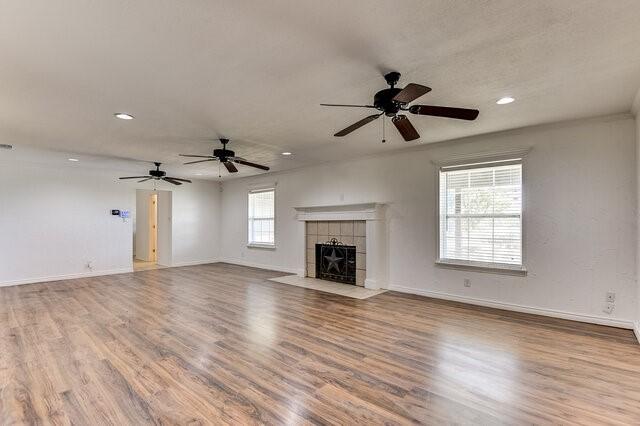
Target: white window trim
(256,191)
(483,161)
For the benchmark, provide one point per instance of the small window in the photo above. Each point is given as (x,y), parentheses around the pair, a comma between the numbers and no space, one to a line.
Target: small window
(481,215)
(262,217)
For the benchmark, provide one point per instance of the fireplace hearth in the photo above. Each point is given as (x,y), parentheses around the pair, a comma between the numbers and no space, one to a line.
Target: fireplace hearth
(336,262)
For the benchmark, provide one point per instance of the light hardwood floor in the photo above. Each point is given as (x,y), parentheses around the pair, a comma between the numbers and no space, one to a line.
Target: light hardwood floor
(217,344)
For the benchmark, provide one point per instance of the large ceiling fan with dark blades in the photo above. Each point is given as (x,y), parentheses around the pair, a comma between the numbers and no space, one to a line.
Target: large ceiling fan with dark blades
(392,101)
(226,157)
(158,174)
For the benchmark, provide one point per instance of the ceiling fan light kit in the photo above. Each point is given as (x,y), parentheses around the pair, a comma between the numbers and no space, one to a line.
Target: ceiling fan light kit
(392,101)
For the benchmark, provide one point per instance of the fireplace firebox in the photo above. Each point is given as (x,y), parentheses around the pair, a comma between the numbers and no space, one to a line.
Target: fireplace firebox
(336,262)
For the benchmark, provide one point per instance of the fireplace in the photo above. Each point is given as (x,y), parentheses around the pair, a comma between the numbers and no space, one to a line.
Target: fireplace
(359,226)
(336,262)
(336,251)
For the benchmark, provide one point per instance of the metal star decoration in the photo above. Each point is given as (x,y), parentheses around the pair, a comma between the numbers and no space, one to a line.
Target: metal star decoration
(333,261)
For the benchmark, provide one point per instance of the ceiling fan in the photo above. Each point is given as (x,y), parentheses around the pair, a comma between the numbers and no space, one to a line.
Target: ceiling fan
(226,157)
(158,174)
(393,100)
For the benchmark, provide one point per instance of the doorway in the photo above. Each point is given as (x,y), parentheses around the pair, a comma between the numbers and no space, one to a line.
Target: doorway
(152,230)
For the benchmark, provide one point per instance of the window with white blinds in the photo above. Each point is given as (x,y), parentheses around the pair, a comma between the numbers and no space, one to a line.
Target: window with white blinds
(481,214)
(262,217)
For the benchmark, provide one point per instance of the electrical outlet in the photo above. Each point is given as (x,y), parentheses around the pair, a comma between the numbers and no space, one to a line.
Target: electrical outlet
(611,297)
(467,282)
(608,308)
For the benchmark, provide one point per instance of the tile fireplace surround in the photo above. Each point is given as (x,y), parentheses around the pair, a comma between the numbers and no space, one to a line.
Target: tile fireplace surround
(347,232)
(362,225)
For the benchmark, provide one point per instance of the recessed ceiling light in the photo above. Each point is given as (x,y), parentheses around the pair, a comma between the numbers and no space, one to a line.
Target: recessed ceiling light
(286,153)
(73,159)
(505,100)
(123,116)
(198,174)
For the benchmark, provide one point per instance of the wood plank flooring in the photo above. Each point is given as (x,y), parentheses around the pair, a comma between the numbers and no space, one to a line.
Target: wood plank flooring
(219,344)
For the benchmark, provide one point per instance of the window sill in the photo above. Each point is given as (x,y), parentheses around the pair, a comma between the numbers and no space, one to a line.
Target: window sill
(262,246)
(488,268)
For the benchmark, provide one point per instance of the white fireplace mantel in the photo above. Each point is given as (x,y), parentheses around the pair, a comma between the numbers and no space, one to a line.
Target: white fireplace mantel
(374,216)
(364,211)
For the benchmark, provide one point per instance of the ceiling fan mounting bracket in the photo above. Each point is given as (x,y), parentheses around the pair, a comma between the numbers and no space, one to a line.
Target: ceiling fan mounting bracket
(392,78)
(157,173)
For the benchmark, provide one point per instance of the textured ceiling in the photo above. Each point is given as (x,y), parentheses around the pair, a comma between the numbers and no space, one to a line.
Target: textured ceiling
(256,71)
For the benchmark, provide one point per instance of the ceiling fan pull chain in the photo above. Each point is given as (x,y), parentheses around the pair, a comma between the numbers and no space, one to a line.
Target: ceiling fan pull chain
(384,139)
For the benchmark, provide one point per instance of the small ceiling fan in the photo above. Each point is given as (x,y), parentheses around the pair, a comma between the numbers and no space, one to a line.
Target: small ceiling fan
(158,174)
(393,100)
(226,157)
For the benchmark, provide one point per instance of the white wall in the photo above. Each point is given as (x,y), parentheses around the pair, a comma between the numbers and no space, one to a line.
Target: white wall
(54,218)
(195,223)
(636,110)
(580,218)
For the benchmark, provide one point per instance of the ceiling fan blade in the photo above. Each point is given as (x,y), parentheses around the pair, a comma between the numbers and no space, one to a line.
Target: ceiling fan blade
(230,167)
(144,180)
(196,156)
(250,164)
(178,179)
(133,177)
(411,93)
(201,161)
(448,112)
(405,127)
(348,105)
(168,179)
(357,125)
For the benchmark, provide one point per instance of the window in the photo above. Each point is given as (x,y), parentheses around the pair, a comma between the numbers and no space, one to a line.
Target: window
(481,215)
(262,217)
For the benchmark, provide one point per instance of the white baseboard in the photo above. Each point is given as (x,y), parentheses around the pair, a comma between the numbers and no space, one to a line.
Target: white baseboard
(636,330)
(593,319)
(95,273)
(65,277)
(194,262)
(299,272)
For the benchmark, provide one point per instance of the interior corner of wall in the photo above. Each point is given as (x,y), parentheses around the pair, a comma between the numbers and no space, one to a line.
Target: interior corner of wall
(635,107)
